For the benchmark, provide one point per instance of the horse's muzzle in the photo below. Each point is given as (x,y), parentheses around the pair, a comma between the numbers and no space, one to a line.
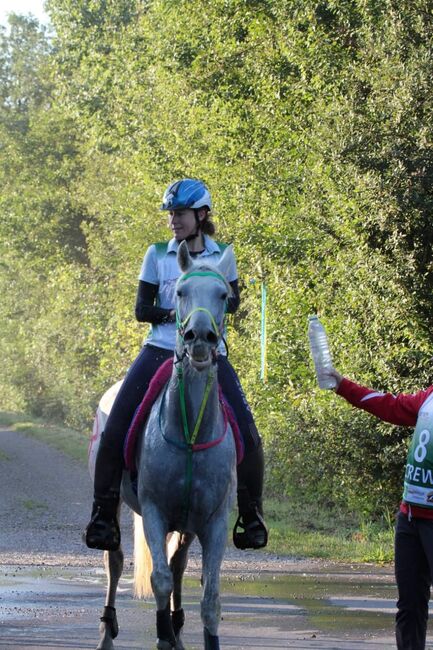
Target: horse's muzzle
(201,353)
(193,335)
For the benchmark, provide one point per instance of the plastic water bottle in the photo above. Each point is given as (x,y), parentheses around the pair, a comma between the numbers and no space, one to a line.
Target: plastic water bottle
(320,352)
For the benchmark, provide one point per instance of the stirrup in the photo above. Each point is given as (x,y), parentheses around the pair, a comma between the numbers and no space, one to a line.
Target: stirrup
(102,533)
(253,535)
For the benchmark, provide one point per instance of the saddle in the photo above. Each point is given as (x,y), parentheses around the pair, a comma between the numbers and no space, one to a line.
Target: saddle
(157,384)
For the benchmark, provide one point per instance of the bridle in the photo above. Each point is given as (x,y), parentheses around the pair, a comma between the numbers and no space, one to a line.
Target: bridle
(181,324)
(190,438)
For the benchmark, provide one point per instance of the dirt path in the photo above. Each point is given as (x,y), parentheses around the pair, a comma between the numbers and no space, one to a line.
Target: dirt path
(51,585)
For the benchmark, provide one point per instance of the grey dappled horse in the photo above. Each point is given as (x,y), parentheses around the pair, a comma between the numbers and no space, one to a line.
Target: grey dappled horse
(182,493)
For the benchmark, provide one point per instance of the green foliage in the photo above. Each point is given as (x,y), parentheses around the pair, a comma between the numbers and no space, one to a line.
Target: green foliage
(311,123)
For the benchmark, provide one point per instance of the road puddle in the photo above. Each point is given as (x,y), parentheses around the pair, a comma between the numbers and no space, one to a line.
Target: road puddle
(263,607)
(328,603)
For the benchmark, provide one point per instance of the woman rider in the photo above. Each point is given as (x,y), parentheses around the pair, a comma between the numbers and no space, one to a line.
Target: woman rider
(188,203)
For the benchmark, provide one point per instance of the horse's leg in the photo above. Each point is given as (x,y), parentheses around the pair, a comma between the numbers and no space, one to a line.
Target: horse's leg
(161,578)
(213,541)
(108,628)
(177,553)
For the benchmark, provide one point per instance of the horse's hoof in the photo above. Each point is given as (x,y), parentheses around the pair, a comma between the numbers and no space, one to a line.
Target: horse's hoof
(105,644)
(164,645)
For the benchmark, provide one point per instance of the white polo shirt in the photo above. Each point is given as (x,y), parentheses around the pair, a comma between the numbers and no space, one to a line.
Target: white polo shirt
(160,267)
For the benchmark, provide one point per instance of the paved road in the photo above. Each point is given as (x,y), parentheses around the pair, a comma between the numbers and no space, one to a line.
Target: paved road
(51,586)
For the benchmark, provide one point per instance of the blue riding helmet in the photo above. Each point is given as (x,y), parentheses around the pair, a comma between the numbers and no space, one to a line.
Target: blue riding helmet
(187,193)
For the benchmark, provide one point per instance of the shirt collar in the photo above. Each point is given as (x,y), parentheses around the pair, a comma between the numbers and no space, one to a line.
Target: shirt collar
(210,246)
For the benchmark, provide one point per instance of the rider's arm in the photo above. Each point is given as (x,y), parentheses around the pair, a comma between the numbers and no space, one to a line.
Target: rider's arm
(145,310)
(231,274)
(399,409)
(234,300)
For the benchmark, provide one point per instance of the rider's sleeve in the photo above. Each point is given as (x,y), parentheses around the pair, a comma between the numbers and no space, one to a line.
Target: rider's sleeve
(145,310)
(149,267)
(232,277)
(232,272)
(399,409)
(234,300)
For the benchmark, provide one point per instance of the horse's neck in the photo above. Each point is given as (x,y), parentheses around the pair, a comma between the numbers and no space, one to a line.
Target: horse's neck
(194,390)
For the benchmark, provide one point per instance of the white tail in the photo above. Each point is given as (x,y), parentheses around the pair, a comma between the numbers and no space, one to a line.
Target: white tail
(142,561)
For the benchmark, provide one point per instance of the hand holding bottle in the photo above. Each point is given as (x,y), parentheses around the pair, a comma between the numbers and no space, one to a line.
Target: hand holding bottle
(333,375)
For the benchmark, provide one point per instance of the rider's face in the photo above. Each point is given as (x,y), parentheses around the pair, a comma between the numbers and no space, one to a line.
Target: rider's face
(182,223)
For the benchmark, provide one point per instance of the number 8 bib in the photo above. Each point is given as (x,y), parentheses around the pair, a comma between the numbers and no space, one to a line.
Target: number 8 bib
(418,478)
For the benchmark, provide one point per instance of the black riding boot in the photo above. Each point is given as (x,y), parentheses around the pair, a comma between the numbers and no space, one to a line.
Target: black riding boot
(250,529)
(103,530)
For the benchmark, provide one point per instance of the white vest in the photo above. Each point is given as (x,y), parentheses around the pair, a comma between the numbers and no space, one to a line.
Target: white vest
(160,267)
(418,478)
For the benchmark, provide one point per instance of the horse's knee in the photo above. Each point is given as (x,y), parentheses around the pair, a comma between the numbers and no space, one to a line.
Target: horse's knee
(162,586)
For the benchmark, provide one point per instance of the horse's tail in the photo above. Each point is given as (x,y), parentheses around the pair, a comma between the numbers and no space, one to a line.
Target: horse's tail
(142,561)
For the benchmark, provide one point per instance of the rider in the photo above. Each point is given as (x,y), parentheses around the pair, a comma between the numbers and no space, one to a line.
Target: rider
(188,204)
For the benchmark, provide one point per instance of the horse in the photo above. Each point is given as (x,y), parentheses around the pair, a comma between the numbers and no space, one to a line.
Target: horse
(186,468)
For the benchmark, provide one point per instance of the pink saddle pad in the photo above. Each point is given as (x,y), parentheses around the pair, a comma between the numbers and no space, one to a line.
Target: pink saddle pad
(159,380)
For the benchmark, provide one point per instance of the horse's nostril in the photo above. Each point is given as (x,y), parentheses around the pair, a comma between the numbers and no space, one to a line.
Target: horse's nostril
(212,338)
(189,336)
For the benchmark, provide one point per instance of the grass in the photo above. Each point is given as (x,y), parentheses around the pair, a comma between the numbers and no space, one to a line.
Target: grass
(31,505)
(72,443)
(301,530)
(306,530)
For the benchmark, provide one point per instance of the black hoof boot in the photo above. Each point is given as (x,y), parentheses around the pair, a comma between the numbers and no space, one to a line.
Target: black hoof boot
(177,620)
(103,531)
(164,627)
(110,619)
(210,642)
(250,531)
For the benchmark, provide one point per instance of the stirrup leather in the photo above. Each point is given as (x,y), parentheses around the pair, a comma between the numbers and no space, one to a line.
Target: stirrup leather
(253,535)
(103,534)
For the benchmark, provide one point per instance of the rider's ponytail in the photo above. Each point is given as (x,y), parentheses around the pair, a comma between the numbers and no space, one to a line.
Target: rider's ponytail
(206,225)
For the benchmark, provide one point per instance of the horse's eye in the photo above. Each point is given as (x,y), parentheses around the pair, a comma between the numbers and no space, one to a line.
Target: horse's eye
(224,295)
(179,293)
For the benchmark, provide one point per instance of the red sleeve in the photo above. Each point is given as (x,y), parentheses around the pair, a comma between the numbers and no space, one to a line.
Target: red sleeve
(398,409)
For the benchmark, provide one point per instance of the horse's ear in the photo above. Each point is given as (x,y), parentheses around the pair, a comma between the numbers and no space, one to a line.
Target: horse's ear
(226,261)
(184,259)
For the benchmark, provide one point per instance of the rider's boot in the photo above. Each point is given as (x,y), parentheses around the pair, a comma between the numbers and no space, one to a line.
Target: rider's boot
(250,530)
(103,530)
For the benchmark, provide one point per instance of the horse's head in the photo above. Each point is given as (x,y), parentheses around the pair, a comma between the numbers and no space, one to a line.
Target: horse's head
(201,297)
